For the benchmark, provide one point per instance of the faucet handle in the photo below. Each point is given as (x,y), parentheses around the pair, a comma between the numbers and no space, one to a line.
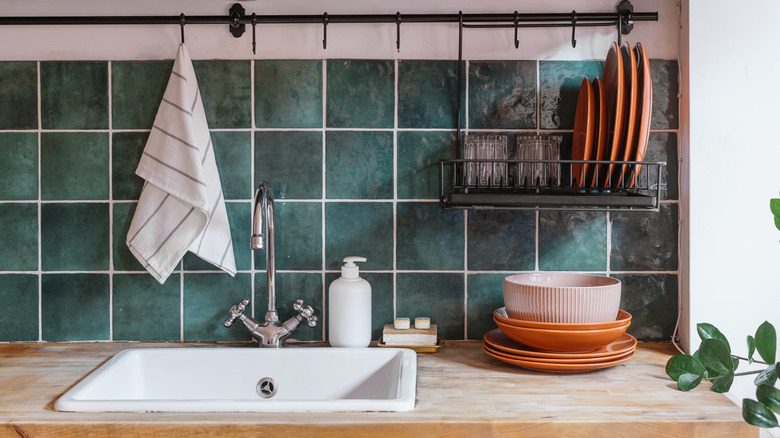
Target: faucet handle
(307,312)
(236,312)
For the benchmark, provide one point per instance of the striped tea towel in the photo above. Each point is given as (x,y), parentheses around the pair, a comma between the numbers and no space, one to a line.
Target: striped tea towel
(181,205)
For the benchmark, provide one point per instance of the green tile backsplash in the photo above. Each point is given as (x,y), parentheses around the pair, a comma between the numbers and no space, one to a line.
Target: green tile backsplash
(350,148)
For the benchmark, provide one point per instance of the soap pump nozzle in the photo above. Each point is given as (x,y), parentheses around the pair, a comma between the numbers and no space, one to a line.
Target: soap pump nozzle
(350,269)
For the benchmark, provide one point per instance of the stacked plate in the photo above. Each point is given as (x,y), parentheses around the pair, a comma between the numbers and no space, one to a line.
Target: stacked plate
(560,347)
(612,121)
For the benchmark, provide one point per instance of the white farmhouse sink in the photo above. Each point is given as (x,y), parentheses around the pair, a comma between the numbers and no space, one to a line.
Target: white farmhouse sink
(215,379)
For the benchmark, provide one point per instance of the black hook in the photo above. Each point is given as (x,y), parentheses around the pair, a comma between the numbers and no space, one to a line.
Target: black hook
(254,25)
(517,41)
(325,30)
(181,23)
(398,31)
(573,28)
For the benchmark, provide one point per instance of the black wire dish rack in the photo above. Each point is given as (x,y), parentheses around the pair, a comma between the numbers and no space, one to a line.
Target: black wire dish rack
(552,185)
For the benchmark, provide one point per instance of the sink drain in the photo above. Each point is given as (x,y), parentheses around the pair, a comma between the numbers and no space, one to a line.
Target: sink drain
(266,387)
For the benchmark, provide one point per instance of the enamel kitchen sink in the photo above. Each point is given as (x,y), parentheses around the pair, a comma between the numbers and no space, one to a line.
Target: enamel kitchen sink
(214,379)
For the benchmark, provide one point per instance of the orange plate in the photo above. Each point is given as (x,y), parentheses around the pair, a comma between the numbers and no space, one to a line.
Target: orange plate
(623,318)
(614,89)
(561,367)
(646,97)
(632,88)
(600,137)
(584,129)
(562,340)
(496,352)
(499,340)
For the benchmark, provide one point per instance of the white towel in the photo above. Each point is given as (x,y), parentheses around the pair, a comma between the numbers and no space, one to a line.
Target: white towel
(181,205)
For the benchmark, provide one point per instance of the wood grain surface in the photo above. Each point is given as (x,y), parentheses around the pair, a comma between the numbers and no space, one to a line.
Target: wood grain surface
(461,392)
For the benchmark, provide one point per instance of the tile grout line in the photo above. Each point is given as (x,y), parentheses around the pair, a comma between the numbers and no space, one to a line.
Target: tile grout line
(465,212)
(39,204)
(396,105)
(324,192)
(110,206)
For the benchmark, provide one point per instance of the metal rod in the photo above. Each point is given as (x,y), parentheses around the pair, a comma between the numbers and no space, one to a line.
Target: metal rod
(559,19)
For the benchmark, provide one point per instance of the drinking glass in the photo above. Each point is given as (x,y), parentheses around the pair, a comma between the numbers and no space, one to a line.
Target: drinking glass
(533,148)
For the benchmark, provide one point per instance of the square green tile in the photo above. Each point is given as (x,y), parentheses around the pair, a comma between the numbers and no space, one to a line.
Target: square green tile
(74,94)
(645,241)
(666,89)
(427,94)
(75,237)
(662,146)
(359,165)
(207,301)
(437,296)
(19,301)
(298,236)
(126,151)
(124,260)
(382,308)
(18,165)
(19,245)
(226,89)
(18,95)
(288,94)
(240,219)
(75,307)
(74,166)
(292,286)
(485,294)
(145,310)
(652,302)
(291,161)
(359,229)
(501,240)
(418,162)
(361,93)
(233,152)
(137,88)
(502,94)
(429,237)
(559,85)
(572,241)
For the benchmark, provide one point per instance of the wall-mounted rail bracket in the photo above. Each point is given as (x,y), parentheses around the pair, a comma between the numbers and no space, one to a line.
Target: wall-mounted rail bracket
(237,28)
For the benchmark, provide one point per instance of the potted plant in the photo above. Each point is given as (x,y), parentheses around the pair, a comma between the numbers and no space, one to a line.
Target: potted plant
(713,361)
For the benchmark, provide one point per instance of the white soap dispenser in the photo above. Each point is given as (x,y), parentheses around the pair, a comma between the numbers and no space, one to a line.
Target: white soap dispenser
(349,307)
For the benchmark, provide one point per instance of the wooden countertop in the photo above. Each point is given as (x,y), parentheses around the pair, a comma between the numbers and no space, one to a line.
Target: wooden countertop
(461,391)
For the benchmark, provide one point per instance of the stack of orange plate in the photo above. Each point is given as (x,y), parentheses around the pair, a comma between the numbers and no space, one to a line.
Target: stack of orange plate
(560,347)
(612,119)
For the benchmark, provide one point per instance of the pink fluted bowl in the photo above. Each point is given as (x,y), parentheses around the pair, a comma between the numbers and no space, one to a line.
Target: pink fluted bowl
(562,297)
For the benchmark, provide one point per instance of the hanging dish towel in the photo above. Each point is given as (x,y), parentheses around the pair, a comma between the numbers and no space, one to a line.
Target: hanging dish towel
(181,205)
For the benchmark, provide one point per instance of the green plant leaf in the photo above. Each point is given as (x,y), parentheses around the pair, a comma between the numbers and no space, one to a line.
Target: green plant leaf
(766,342)
(777,222)
(751,343)
(723,384)
(681,364)
(774,206)
(768,376)
(709,331)
(769,396)
(735,361)
(716,358)
(757,414)
(687,381)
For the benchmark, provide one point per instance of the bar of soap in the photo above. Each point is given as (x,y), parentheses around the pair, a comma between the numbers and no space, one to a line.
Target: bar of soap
(401,324)
(422,323)
(412,336)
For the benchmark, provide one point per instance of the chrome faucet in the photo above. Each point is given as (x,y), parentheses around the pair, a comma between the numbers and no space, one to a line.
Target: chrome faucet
(270,333)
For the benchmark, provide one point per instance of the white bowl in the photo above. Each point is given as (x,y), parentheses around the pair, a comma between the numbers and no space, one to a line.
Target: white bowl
(562,297)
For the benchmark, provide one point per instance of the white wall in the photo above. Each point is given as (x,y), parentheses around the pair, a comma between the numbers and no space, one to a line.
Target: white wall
(418,41)
(734,151)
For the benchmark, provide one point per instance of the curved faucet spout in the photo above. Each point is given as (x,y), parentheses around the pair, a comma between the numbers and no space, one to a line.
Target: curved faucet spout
(263,237)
